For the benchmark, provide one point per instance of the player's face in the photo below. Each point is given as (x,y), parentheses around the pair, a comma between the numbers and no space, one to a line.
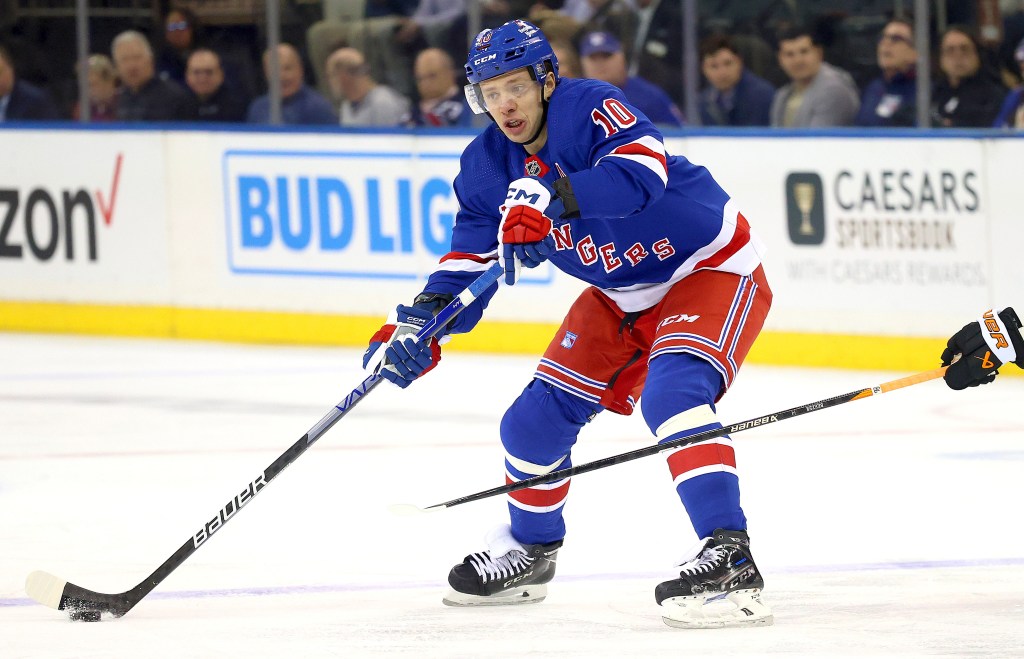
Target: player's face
(514,101)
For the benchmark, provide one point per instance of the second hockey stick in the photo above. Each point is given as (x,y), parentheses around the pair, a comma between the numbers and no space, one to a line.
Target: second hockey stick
(84,604)
(756,422)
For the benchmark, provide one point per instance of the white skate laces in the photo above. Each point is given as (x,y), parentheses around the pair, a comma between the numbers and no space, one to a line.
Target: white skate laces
(504,558)
(491,568)
(507,572)
(703,562)
(718,586)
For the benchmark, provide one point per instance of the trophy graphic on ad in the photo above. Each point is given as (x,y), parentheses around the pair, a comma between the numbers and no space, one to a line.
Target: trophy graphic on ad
(805,208)
(804,194)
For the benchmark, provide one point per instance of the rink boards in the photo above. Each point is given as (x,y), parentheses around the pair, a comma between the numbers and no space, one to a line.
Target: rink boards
(877,246)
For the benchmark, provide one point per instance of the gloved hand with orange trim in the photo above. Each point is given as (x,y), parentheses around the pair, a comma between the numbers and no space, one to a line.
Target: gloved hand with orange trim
(975,353)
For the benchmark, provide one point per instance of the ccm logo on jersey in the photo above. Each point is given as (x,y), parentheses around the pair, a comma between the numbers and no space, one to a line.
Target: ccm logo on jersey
(994,330)
(679,318)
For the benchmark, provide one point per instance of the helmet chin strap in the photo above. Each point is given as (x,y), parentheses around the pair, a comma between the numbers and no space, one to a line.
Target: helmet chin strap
(543,120)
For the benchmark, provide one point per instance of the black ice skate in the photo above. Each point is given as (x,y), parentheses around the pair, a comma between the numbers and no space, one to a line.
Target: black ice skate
(719,587)
(507,573)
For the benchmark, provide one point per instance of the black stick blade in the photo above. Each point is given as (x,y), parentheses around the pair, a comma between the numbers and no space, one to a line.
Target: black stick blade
(62,595)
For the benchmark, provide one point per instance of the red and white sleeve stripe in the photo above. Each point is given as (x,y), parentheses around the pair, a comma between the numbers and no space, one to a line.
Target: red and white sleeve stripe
(646,151)
(466,262)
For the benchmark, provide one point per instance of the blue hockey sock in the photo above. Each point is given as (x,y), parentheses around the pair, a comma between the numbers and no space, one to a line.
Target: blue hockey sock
(678,401)
(538,432)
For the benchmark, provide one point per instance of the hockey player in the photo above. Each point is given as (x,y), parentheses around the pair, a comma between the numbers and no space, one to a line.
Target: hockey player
(975,353)
(570,172)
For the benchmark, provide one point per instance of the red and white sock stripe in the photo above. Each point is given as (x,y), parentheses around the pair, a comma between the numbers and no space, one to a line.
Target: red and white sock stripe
(684,463)
(699,459)
(540,498)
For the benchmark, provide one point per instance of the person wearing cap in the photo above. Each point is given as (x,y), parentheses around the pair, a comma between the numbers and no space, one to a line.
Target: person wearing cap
(1011,115)
(603,59)
(890,100)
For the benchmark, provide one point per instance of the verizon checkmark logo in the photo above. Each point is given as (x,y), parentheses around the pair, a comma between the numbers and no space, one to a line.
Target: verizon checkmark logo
(107,211)
(44,219)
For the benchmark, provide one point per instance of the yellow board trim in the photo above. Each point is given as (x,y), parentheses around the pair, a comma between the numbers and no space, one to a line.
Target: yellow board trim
(775,348)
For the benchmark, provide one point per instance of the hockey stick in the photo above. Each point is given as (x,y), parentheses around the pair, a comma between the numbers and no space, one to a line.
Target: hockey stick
(85,604)
(410,509)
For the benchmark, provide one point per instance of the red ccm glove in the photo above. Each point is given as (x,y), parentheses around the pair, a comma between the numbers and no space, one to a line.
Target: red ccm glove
(524,233)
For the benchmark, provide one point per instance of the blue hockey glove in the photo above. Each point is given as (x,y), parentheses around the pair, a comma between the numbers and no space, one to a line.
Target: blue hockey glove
(524,233)
(394,350)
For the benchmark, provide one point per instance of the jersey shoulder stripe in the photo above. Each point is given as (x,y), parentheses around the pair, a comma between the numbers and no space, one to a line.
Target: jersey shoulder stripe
(647,151)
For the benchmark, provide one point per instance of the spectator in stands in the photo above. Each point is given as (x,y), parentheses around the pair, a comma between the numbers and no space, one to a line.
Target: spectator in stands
(366,103)
(389,34)
(734,96)
(102,90)
(568,58)
(144,96)
(217,100)
(818,94)
(300,104)
(967,95)
(441,100)
(574,17)
(1011,115)
(658,46)
(19,100)
(431,25)
(369,27)
(891,99)
(181,32)
(1013,34)
(603,59)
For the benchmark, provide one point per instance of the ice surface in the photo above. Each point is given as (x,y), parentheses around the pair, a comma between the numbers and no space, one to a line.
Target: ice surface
(889,526)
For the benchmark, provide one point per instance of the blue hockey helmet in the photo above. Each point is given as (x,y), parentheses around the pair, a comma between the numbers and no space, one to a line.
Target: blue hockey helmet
(514,45)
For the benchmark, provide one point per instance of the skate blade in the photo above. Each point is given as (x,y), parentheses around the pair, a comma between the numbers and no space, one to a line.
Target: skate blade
(512,596)
(740,608)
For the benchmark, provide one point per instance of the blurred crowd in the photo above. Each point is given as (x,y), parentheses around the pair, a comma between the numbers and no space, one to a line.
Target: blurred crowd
(391,63)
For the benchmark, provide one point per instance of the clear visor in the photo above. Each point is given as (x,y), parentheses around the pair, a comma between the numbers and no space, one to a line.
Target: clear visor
(493,95)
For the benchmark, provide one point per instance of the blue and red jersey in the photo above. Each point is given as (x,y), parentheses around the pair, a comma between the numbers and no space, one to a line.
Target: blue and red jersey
(647,218)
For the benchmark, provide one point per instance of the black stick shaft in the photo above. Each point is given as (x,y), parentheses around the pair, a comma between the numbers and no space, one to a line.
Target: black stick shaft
(76,597)
(693,439)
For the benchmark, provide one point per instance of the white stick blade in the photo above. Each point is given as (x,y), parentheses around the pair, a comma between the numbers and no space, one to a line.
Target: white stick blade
(45,588)
(409,509)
